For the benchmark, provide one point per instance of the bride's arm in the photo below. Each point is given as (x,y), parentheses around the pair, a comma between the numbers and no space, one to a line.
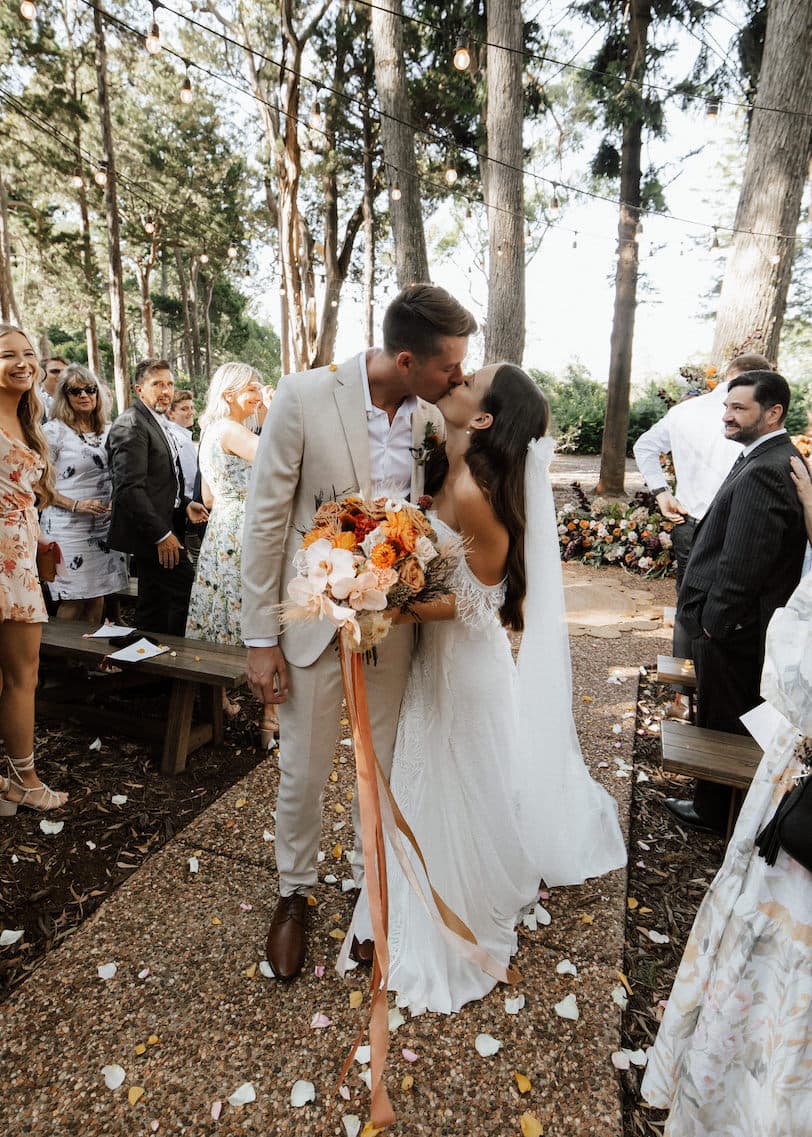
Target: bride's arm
(444,608)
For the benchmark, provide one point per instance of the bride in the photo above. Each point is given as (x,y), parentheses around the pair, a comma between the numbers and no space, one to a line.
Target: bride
(487,769)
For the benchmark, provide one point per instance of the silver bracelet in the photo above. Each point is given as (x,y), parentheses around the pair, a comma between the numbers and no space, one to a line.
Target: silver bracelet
(75,503)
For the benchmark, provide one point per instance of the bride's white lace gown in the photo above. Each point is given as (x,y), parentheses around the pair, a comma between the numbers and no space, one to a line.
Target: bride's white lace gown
(459,773)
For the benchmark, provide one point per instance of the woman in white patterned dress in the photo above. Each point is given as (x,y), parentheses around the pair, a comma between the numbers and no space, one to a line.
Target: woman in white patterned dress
(226,454)
(733,1056)
(79,517)
(486,769)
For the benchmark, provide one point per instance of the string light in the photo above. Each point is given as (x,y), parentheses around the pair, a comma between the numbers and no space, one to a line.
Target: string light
(715,242)
(462,54)
(333,303)
(555,204)
(450,173)
(186,92)
(204,258)
(100,177)
(149,224)
(28,9)
(314,120)
(152,42)
(712,104)
(232,252)
(775,259)
(396,194)
(77,181)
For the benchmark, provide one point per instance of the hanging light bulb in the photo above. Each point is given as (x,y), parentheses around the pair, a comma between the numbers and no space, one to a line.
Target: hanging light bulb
(100,177)
(232,252)
(333,303)
(186,92)
(77,181)
(450,173)
(712,104)
(462,53)
(28,9)
(500,251)
(396,194)
(149,224)
(314,119)
(775,259)
(715,242)
(555,204)
(152,42)
(204,258)
(575,240)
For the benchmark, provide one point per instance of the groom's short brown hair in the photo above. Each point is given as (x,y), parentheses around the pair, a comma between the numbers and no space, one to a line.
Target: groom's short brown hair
(419,316)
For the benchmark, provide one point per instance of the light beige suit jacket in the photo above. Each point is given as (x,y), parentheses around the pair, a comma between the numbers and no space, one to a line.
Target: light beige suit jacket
(314,445)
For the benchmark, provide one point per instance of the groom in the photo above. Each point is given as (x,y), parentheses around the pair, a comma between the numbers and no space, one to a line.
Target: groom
(337,429)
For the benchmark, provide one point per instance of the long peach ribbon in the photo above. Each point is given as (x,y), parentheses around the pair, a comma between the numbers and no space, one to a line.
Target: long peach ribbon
(381,815)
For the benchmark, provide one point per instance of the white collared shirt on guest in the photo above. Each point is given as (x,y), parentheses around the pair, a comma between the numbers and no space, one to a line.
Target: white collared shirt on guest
(162,421)
(390,458)
(187,452)
(750,447)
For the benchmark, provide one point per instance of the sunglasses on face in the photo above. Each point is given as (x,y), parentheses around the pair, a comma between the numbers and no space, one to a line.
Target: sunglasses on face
(82,390)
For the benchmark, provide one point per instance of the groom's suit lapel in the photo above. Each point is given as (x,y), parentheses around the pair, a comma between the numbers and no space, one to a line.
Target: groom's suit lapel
(349,397)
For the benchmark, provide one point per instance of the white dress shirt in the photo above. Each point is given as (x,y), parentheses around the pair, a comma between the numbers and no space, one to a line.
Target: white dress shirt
(187,452)
(390,457)
(750,447)
(692,432)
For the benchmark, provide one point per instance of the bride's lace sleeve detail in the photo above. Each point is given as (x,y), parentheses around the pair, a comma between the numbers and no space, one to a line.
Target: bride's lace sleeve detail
(477,604)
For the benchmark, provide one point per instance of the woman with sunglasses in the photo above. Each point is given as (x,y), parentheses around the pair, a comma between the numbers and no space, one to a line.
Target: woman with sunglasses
(79,518)
(26,480)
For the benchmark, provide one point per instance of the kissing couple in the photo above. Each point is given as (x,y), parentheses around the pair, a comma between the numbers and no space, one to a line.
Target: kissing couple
(482,754)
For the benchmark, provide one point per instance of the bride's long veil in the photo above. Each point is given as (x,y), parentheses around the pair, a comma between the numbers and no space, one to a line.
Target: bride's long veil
(569,822)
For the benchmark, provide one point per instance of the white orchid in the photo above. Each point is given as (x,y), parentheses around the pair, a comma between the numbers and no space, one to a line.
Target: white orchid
(361,592)
(325,564)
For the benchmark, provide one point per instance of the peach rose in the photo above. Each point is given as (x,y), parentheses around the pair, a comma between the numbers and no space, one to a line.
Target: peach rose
(411,574)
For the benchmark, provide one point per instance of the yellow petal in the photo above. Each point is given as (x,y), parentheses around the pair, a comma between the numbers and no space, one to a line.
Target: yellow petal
(337,851)
(216,921)
(586,699)
(336,934)
(624,981)
(356,999)
(531,1126)
(334,776)
(523,1083)
(585,919)
(350,795)
(644,911)
(631,902)
(140,1048)
(407,1083)
(345,722)
(134,1093)
(153,1040)
(240,802)
(312,901)
(251,971)
(369,1129)
(339,808)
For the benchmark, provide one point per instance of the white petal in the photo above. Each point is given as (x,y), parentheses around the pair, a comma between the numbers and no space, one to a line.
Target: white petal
(542,915)
(366,1078)
(143,973)
(352,1124)
(107,970)
(513,1006)
(91,845)
(113,1076)
(119,799)
(8,937)
(348,885)
(319,858)
(396,1019)
(638,1057)
(243,1095)
(194,864)
(52,826)
(95,744)
(567,1008)
(267,835)
(362,1055)
(266,969)
(486,1045)
(620,1060)
(658,938)
(216,1110)
(565,967)
(620,996)
(530,921)
(331,879)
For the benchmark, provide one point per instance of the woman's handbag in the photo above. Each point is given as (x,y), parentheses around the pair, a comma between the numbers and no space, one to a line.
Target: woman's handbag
(48,558)
(791,826)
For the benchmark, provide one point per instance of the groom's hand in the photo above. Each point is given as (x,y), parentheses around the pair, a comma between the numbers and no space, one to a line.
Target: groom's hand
(268,674)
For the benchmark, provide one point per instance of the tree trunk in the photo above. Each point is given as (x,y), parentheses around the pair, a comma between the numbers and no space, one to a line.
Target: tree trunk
(505,327)
(117,310)
(167,341)
(89,271)
(194,324)
(757,277)
(406,215)
(184,303)
(207,325)
(9,313)
(368,208)
(616,423)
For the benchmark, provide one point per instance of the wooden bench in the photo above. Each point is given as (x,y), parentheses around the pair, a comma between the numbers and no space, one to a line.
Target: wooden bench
(193,667)
(672,669)
(714,755)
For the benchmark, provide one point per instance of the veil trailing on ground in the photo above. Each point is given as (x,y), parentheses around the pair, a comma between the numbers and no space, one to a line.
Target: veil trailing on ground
(569,822)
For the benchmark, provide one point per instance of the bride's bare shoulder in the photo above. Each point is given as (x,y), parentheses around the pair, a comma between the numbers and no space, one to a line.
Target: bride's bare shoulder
(479,524)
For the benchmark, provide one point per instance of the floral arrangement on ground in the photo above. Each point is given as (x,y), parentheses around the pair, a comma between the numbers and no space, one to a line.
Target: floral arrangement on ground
(631,534)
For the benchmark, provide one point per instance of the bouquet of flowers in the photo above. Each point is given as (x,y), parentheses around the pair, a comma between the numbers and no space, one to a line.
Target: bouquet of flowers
(633,535)
(361,558)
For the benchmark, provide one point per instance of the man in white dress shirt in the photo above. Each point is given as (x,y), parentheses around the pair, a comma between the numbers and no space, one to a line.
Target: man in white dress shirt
(693,433)
(352,427)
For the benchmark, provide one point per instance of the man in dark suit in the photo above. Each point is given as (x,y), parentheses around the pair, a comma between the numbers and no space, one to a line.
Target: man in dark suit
(745,562)
(150,507)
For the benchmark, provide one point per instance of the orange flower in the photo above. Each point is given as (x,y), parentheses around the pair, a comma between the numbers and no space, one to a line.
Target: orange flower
(710,371)
(711,384)
(570,525)
(344,541)
(383,555)
(398,527)
(584,524)
(315,535)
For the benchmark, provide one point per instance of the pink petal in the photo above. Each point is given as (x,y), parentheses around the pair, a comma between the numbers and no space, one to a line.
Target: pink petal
(409,1055)
(319,1021)
(216,1110)
(318,970)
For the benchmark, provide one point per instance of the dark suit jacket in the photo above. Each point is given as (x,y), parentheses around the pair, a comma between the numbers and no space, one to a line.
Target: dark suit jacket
(748,550)
(145,483)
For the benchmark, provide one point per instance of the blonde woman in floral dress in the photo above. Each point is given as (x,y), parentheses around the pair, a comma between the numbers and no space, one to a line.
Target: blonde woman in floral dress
(227,449)
(25,478)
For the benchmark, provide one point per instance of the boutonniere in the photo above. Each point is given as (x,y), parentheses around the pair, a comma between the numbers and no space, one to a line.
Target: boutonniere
(431,440)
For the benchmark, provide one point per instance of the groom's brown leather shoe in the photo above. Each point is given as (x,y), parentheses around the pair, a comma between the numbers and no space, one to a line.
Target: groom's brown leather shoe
(287,938)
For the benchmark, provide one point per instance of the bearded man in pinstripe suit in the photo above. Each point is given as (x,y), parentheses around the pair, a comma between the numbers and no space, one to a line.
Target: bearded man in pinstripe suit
(745,562)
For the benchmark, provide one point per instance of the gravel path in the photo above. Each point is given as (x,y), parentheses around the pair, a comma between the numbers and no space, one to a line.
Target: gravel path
(189,1016)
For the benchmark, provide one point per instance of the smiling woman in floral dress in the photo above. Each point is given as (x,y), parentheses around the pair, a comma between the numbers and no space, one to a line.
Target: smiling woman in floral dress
(25,477)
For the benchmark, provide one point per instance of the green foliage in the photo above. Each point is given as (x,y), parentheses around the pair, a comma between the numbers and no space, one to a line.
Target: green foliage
(577,409)
(800,405)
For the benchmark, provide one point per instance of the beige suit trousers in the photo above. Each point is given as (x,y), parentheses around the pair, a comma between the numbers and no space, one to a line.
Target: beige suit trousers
(309,729)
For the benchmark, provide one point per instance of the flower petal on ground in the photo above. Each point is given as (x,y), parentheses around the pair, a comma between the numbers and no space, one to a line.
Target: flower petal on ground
(320,1021)
(530,1125)
(216,1110)
(266,969)
(352,1124)
(568,1008)
(106,970)
(620,997)
(620,1060)
(243,1095)
(119,799)
(513,1006)
(114,1075)
(409,1055)
(52,827)
(396,1018)
(194,865)
(9,937)
(95,744)
(134,1094)
(486,1045)
(542,915)
(658,937)
(362,1055)
(523,1082)
(344,1091)
(565,967)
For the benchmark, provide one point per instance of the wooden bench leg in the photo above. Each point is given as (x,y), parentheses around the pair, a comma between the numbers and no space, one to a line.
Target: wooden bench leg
(178,726)
(211,703)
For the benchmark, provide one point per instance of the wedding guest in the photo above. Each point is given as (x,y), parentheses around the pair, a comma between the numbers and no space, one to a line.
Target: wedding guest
(227,450)
(150,507)
(734,1051)
(180,418)
(26,479)
(52,369)
(692,433)
(484,772)
(78,519)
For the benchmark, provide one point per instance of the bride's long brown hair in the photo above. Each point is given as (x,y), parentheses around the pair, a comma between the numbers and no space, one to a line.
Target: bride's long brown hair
(496,458)
(29,413)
